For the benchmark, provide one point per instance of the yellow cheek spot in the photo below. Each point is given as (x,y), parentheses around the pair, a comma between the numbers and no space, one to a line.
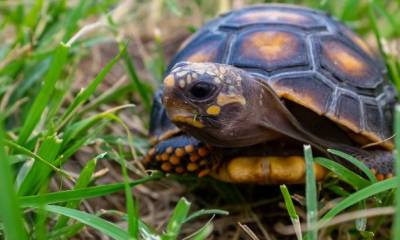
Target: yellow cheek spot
(213,110)
(224,99)
(188,120)
(169,81)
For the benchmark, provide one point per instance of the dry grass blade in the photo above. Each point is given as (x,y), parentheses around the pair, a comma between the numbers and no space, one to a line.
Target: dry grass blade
(342,218)
(248,231)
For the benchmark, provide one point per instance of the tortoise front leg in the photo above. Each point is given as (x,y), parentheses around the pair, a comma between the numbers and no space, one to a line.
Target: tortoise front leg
(266,170)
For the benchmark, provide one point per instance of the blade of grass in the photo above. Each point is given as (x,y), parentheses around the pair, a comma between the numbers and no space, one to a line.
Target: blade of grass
(356,163)
(204,232)
(132,73)
(36,157)
(108,228)
(343,173)
(131,203)
(374,25)
(40,102)
(87,92)
(10,213)
(40,172)
(311,194)
(82,182)
(358,196)
(348,9)
(177,219)
(291,211)
(396,225)
(74,17)
(85,193)
(66,232)
(203,212)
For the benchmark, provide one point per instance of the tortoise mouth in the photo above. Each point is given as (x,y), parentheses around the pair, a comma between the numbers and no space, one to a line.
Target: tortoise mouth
(187,119)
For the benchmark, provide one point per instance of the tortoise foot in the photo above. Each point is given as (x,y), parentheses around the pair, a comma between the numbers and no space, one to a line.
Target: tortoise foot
(180,154)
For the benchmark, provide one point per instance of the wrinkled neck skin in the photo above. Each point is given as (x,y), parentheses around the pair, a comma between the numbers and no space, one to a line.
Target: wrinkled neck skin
(262,118)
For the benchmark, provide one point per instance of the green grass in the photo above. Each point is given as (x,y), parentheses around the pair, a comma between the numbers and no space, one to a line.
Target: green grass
(50,119)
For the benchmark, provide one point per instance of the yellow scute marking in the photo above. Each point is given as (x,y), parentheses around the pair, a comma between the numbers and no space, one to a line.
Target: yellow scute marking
(213,110)
(272,16)
(224,99)
(344,59)
(200,57)
(270,46)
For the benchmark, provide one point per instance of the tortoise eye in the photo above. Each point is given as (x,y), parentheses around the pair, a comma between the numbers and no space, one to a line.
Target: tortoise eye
(201,90)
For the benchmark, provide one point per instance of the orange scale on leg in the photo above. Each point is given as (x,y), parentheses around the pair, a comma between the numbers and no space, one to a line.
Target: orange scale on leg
(191,167)
(169,150)
(194,157)
(189,148)
(166,167)
(179,152)
(203,162)
(164,157)
(202,152)
(204,172)
(380,177)
(174,160)
(179,170)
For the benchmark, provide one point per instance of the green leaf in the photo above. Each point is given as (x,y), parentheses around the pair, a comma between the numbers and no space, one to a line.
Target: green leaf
(132,73)
(292,211)
(42,99)
(10,213)
(204,232)
(288,202)
(311,194)
(131,203)
(356,163)
(82,182)
(396,225)
(87,92)
(358,196)
(177,219)
(39,171)
(80,194)
(109,229)
(343,173)
(203,212)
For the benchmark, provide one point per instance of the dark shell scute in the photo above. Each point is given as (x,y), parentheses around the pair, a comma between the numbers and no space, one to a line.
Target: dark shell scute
(372,117)
(272,15)
(349,111)
(208,47)
(298,88)
(269,50)
(343,63)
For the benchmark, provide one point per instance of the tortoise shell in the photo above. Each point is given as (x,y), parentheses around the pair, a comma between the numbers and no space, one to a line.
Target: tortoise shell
(307,57)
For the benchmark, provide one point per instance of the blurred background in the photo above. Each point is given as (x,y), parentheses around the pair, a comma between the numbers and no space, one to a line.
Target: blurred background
(113,116)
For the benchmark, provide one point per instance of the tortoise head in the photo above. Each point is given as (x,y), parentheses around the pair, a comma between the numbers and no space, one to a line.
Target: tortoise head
(215,103)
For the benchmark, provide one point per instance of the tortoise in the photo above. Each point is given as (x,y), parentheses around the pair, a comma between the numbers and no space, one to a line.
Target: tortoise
(250,88)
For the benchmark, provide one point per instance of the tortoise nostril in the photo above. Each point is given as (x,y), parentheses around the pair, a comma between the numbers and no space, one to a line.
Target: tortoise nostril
(201,90)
